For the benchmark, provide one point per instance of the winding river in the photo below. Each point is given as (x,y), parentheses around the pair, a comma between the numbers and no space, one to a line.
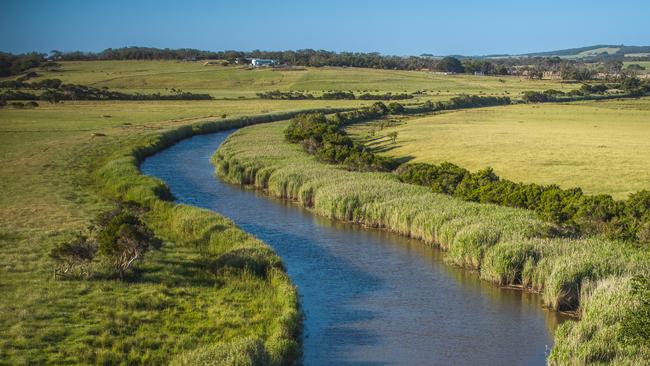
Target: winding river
(369,297)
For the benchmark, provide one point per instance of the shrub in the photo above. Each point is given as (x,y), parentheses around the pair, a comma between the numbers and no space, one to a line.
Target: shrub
(395,108)
(123,239)
(535,97)
(325,138)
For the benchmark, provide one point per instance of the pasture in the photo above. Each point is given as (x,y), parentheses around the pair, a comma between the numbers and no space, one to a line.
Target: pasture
(600,146)
(237,81)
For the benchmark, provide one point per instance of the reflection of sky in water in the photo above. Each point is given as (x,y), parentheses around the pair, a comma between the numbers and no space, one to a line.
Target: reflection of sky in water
(369,297)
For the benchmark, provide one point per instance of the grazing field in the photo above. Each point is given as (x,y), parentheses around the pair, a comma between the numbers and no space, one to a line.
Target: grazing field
(504,244)
(49,159)
(237,81)
(601,146)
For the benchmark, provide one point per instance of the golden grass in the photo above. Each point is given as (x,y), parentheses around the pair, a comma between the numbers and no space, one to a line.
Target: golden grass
(601,147)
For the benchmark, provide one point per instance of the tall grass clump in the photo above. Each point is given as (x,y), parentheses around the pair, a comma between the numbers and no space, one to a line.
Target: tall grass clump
(508,246)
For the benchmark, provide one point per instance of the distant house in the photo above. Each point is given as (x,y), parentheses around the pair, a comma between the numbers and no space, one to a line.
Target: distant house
(260,62)
(479,73)
(552,75)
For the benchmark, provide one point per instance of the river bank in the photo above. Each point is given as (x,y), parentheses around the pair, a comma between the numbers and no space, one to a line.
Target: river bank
(503,244)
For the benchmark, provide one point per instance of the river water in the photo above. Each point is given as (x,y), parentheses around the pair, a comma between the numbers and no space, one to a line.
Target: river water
(369,297)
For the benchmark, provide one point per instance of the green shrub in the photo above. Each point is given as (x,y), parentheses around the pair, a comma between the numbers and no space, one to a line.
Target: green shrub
(123,239)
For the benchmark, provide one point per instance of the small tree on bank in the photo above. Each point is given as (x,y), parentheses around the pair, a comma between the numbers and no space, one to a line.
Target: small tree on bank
(124,239)
(119,236)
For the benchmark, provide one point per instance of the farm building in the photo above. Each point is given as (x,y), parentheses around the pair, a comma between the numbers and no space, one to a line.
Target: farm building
(259,62)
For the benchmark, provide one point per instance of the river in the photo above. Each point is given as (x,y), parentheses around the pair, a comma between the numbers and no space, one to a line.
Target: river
(369,297)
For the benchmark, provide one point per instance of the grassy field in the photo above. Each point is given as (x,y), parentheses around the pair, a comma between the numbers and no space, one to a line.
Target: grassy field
(48,189)
(645,64)
(504,244)
(601,147)
(235,81)
(63,164)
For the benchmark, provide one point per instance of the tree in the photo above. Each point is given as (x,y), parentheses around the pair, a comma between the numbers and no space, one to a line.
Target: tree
(395,108)
(123,239)
(450,64)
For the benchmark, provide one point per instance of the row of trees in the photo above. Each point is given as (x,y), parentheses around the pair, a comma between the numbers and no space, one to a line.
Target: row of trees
(331,95)
(317,58)
(626,87)
(533,66)
(53,90)
(16,64)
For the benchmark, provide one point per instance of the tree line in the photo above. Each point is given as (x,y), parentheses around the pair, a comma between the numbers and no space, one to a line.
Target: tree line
(533,66)
(53,90)
(628,87)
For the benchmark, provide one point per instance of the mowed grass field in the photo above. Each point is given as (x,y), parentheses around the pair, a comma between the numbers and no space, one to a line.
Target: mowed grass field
(238,81)
(602,147)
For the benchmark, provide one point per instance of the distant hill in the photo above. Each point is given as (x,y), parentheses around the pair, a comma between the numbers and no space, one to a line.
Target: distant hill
(596,51)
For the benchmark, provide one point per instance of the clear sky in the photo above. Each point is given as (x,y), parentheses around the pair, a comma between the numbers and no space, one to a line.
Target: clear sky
(407,27)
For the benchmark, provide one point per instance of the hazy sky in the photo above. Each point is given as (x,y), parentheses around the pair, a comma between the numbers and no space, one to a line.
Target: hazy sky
(407,27)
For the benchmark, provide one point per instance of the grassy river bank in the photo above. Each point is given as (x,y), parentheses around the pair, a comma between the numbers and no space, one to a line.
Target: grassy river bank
(592,276)
(211,293)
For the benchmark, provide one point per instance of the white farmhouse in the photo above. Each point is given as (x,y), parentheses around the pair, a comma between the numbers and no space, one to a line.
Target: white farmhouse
(259,62)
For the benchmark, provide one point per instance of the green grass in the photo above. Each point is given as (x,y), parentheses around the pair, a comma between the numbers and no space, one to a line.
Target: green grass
(236,81)
(645,64)
(203,289)
(505,245)
(601,147)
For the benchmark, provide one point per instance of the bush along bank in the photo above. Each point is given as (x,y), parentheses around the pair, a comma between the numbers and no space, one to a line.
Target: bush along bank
(208,264)
(508,246)
(575,212)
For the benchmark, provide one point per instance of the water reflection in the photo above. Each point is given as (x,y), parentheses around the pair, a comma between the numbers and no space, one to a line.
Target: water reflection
(369,297)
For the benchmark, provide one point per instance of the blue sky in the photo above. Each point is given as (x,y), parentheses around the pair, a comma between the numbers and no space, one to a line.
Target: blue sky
(407,27)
